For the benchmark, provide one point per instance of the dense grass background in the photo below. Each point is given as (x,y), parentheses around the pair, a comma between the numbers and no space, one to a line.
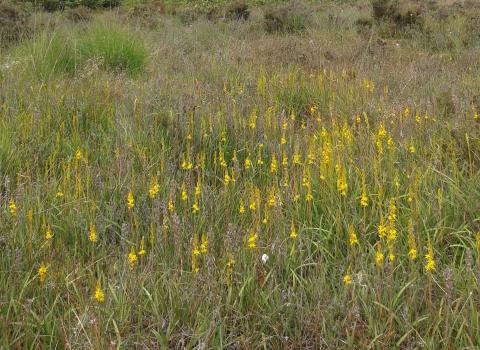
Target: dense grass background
(196,116)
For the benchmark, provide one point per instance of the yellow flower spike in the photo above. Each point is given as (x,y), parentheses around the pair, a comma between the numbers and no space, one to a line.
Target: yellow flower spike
(392,214)
(429,259)
(48,233)
(379,256)
(154,189)
(253,120)
(411,148)
(252,240)
(342,182)
(198,188)
(293,231)
(42,272)
(364,200)
(412,252)
(477,241)
(273,164)
(204,245)
(352,236)
(132,259)
(78,154)
(347,280)
(170,205)
(382,229)
(382,132)
(12,207)
(226,178)
(141,252)
(195,250)
(248,163)
(241,209)
(99,295)
(364,197)
(195,207)
(130,200)
(229,270)
(93,233)
(184,192)
(271,197)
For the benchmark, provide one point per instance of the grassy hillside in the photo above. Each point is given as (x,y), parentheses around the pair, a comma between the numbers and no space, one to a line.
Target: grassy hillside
(291,175)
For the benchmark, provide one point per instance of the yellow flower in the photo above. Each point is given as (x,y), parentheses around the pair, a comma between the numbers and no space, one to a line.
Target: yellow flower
(78,154)
(273,164)
(170,205)
(42,272)
(141,252)
(12,207)
(242,207)
(226,178)
(48,233)
(379,257)
(204,245)
(382,229)
(184,192)
(412,254)
(293,232)
(132,259)
(248,163)
(297,159)
(429,261)
(93,233)
(342,183)
(352,235)
(130,200)
(347,279)
(411,148)
(271,197)
(195,250)
(154,189)
(392,214)
(478,240)
(99,295)
(364,200)
(252,240)
(229,270)
(195,207)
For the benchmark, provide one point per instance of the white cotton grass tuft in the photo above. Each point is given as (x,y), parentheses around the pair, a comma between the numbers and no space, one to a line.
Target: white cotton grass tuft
(265,258)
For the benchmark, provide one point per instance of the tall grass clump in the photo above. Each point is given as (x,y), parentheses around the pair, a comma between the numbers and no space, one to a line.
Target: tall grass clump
(113,46)
(49,54)
(109,45)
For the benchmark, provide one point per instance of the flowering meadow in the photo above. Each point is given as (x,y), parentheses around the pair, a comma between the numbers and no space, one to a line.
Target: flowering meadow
(206,202)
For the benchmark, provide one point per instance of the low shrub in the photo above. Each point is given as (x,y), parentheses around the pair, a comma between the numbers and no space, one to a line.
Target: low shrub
(237,10)
(287,18)
(14,24)
(79,14)
(395,16)
(58,5)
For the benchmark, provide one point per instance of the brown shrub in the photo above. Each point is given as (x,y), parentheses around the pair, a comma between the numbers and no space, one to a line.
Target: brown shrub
(399,15)
(147,14)
(237,10)
(79,14)
(288,18)
(14,23)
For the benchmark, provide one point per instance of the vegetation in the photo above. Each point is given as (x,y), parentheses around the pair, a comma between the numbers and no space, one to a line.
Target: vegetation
(186,175)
